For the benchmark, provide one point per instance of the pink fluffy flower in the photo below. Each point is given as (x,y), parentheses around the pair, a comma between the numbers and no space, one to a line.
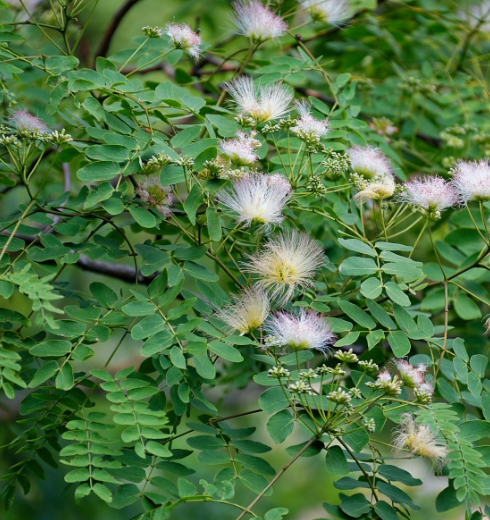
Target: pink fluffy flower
(184,38)
(27,123)
(369,162)
(257,22)
(432,194)
(471,179)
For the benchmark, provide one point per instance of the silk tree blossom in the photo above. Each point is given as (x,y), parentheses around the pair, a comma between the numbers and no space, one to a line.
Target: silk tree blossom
(308,127)
(307,330)
(256,21)
(431,194)
(411,376)
(184,38)
(287,262)
(387,384)
(241,151)
(257,198)
(471,179)
(328,11)
(152,192)
(420,440)
(380,188)
(369,162)
(262,103)
(27,124)
(247,312)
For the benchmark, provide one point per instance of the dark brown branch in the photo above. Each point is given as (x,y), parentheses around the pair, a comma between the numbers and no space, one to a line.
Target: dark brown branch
(126,273)
(111,30)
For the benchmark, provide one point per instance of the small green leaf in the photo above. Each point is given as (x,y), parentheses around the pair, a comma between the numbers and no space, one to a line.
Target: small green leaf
(396,294)
(357,245)
(336,462)
(399,343)
(214,224)
(357,314)
(99,171)
(225,351)
(355,505)
(356,266)
(192,202)
(371,288)
(51,348)
(274,400)
(280,426)
(108,152)
(143,217)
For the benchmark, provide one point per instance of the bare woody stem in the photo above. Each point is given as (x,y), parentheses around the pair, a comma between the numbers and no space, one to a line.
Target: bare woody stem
(113,26)
(248,509)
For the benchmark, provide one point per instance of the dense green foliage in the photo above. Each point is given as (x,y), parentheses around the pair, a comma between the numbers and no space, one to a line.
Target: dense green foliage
(182,251)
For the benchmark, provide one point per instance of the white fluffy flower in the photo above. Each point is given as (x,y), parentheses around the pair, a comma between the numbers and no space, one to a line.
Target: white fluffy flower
(432,194)
(286,262)
(471,179)
(308,330)
(369,162)
(257,198)
(329,11)
(381,187)
(241,151)
(420,440)
(247,312)
(184,38)
(261,103)
(27,123)
(256,21)
(308,127)
(152,192)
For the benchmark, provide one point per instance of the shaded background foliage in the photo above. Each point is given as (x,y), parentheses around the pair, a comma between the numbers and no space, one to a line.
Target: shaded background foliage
(420,64)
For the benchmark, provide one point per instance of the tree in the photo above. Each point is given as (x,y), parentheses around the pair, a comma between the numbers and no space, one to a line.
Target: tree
(236,215)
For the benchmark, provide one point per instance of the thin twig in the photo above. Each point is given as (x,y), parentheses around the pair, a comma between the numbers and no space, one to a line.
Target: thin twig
(113,26)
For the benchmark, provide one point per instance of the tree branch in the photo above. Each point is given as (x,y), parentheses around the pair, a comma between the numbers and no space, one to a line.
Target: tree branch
(111,30)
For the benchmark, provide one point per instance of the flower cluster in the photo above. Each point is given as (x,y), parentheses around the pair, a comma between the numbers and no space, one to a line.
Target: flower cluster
(328,11)
(155,163)
(369,162)
(471,180)
(307,127)
(307,330)
(420,440)
(247,312)
(261,103)
(258,198)
(373,173)
(287,262)
(184,38)
(414,377)
(152,192)
(256,21)
(387,384)
(28,125)
(152,32)
(241,151)
(429,194)
(335,165)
